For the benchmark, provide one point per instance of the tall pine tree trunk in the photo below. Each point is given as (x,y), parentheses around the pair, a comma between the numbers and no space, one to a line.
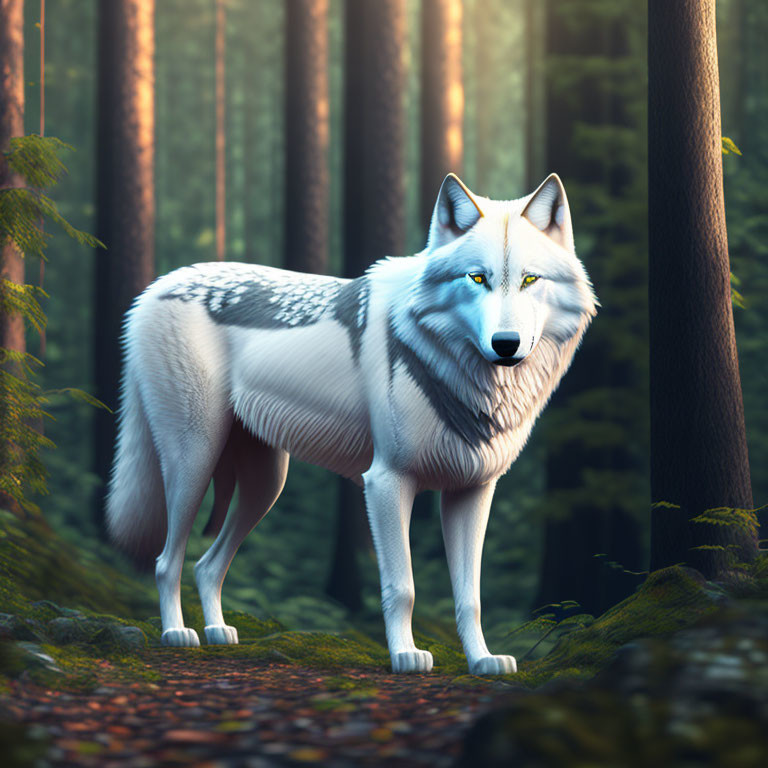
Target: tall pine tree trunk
(698,441)
(374,206)
(11,124)
(125,193)
(442,98)
(307,183)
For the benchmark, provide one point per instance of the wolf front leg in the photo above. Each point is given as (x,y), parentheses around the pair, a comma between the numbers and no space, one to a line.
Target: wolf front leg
(389,499)
(464,516)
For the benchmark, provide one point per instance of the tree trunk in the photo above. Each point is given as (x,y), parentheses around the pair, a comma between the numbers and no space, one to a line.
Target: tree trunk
(11,124)
(125,193)
(307,182)
(374,206)
(374,133)
(442,98)
(221,131)
(698,441)
(534,86)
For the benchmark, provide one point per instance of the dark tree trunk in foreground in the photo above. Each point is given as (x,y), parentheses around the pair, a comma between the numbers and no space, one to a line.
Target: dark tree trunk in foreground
(306,140)
(11,124)
(698,442)
(374,206)
(125,193)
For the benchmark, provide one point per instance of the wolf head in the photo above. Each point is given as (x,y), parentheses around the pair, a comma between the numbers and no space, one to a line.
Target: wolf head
(502,275)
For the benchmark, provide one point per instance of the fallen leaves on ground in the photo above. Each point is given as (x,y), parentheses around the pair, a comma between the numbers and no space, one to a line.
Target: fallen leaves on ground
(241,712)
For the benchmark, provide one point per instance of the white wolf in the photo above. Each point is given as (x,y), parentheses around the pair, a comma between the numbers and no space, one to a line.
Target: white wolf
(427,372)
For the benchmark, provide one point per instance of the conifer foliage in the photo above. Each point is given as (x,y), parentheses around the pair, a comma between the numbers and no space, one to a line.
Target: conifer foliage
(23,210)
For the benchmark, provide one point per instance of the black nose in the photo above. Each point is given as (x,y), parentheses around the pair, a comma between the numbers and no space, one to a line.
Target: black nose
(505,344)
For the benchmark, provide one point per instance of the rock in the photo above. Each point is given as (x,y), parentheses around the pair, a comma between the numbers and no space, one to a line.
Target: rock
(65,629)
(100,632)
(49,605)
(121,637)
(15,628)
(34,656)
(658,700)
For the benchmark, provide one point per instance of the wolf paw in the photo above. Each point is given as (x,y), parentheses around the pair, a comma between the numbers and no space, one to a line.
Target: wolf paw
(412,661)
(180,638)
(493,665)
(220,634)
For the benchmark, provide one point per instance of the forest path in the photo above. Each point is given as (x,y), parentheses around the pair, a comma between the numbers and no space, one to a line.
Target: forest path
(256,714)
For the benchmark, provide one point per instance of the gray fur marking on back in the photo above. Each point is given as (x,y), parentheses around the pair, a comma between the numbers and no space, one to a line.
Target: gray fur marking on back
(252,297)
(350,308)
(471,426)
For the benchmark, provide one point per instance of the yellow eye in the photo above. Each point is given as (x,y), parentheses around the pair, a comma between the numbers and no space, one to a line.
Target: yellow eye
(478,277)
(529,280)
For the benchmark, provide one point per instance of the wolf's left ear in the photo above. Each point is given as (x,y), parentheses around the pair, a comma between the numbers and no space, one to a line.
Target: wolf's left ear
(548,211)
(455,212)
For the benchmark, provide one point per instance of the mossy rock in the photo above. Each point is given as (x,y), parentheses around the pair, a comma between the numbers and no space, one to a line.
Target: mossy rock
(696,697)
(670,599)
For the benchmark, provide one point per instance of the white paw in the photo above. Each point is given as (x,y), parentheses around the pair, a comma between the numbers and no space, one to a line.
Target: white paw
(412,661)
(220,634)
(180,638)
(493,665)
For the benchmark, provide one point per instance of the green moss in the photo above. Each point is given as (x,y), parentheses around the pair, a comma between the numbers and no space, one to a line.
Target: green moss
(37,565)
(82,669)
(670,599)
(315,649)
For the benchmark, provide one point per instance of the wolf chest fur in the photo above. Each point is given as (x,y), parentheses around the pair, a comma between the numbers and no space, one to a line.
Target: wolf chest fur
(427,372)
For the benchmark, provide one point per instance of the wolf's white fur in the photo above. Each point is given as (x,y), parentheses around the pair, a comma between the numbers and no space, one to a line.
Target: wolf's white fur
(389,380)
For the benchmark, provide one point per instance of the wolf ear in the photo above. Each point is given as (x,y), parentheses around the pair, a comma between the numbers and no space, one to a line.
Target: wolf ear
(456,212)
(548,211)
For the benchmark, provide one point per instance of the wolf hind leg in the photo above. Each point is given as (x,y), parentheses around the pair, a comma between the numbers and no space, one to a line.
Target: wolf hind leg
(188,458)
(261,471)
(185,483)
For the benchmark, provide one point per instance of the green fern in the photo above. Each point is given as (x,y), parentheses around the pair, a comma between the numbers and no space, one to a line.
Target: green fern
(23,211)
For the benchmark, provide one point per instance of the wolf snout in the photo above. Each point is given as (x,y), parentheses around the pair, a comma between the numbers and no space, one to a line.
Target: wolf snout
(505,344)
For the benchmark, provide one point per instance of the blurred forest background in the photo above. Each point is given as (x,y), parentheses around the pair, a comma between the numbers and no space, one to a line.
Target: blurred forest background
(542,86)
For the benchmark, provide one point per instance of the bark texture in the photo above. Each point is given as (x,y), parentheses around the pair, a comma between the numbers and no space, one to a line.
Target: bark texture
(374,207)
(125,192)
(442,97)
(11,124)
(698,441)
(307,181)
(374,131)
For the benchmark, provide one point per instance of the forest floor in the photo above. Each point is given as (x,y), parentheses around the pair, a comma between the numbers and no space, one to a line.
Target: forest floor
(676,674)
(240,712)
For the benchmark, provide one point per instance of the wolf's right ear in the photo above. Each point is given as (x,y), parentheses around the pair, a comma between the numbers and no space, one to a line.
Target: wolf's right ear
(455,213)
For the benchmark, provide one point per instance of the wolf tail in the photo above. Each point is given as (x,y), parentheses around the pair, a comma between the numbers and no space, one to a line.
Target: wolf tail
(135,509)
